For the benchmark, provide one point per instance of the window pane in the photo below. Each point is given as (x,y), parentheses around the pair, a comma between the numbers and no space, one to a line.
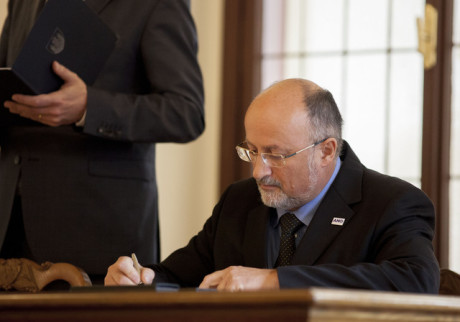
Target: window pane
(272,70)
(364,111)
(457,22)
(293,28)
(272,22)
(368,24)
(405,115)
(404,17)
(323,20)
(292,67)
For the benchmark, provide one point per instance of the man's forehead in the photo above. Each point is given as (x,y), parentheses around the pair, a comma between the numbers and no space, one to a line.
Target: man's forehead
(263,146)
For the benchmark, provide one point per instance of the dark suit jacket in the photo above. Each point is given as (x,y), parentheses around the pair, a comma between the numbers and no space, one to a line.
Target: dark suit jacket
(90,195)
(385,242)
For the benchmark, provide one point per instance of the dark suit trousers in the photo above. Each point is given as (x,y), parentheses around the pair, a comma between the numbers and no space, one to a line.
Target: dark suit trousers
(15,243)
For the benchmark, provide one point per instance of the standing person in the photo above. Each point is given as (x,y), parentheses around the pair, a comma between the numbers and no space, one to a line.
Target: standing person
(354,227)
(77,167)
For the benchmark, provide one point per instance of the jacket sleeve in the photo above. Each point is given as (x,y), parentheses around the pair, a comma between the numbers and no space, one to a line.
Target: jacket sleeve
(162,98)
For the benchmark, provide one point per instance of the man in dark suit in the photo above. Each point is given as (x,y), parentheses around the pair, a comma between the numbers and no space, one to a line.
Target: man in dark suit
(77,169)
(358,228)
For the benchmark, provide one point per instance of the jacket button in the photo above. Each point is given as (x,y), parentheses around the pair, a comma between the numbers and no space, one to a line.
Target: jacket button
(17,160)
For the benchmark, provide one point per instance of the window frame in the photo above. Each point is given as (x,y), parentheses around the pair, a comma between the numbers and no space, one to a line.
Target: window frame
(437,96)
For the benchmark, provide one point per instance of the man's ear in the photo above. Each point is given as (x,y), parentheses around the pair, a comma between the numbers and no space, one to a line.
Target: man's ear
(328,150)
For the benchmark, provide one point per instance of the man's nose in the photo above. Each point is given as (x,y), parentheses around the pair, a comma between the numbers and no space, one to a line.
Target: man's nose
(260,169)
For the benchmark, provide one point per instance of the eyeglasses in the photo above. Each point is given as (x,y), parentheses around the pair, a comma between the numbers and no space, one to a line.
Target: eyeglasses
(271,159)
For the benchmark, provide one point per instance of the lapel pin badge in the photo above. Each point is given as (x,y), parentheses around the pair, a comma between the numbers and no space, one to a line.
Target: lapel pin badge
(338,221)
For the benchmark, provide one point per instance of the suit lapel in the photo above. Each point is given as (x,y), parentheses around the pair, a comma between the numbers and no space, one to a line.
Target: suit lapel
(321,231)
(96,5)
(344,191)
(254,245)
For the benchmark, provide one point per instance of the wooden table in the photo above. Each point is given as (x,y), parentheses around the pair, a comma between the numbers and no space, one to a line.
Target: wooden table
(287,305)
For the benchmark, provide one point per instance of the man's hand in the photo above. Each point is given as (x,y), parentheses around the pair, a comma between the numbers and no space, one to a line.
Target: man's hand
(62,107)
(238,278)
(124,273)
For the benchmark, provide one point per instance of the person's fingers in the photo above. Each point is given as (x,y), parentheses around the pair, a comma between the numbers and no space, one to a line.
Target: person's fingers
(122,273)
(147,275)
(63,72)
(212,280)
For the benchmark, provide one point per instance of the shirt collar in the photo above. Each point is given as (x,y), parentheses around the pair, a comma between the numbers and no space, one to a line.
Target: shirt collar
(306,212)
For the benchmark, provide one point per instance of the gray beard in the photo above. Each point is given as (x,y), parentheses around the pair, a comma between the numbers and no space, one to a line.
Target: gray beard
(279,199)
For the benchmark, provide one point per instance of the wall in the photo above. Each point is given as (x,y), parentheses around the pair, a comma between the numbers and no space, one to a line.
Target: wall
(188,174)
(2,11)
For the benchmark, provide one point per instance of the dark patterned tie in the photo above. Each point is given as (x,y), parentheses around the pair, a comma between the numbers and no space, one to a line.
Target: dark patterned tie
(289,225)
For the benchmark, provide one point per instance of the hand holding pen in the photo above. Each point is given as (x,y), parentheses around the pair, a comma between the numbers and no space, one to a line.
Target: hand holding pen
(128,271)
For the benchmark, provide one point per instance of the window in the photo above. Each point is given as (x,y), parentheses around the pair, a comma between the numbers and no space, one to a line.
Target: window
(365,53)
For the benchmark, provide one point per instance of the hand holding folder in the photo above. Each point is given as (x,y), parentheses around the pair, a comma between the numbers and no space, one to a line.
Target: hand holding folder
(69,32)
(62,107)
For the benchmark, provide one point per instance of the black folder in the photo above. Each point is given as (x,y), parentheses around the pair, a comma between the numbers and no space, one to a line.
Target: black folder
(67,31)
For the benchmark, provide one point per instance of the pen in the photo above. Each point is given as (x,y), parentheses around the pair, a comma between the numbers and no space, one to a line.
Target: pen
(136,265)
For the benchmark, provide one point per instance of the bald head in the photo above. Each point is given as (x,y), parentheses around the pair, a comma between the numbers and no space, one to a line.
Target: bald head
(276,97)
(300,103)
(304,86)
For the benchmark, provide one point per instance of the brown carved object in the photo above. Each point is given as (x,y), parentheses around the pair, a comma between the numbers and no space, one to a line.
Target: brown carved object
(22,274)
(450,282)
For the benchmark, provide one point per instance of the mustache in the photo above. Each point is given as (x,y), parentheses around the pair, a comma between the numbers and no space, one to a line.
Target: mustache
(268,181)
